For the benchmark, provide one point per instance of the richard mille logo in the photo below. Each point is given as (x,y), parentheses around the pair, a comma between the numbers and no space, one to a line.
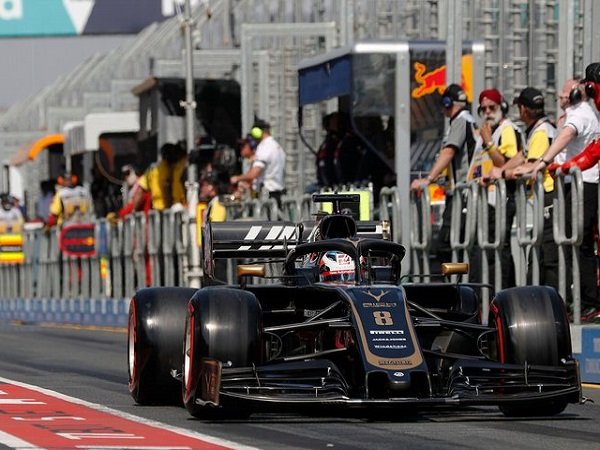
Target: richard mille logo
(377,297)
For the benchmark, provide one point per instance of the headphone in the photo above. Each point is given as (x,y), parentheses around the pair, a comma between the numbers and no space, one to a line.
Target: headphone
(448,100)
(575,96)
(61,180)
(590,89)
(256,133)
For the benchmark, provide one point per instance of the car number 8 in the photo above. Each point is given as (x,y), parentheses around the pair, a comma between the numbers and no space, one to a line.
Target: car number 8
(383,318)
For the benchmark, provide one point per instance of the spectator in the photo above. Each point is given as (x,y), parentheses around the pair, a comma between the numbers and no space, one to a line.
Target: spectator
(11,218)
(456,153)
(268,167)
(502,141)
(347,157)
(70,204)
(42,205)
(539,134)
(248,154)
(209,198)
(581,127)
(591,154)
(138,195)
(164,179)
(332,124)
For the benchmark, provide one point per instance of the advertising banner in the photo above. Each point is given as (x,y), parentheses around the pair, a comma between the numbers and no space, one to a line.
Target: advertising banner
(75,17)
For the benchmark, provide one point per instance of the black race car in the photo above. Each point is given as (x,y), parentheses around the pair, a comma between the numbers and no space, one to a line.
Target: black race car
(336,327)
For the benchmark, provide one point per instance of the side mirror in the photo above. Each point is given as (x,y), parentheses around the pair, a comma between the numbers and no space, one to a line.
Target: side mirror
(250,270)
(454,268)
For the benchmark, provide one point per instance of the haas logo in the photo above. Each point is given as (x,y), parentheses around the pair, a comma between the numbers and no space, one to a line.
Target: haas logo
(377,297)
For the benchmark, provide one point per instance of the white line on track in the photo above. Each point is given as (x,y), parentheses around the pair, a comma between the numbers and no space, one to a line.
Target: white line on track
(181,431)
(15,443)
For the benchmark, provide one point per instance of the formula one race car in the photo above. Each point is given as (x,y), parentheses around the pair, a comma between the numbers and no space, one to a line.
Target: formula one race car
(337,328)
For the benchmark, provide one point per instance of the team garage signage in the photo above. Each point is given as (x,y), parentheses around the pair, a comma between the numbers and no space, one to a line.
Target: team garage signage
(72,17)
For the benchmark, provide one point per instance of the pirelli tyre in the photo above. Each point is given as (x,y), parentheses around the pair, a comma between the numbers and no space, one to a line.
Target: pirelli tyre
(533,328)
(223,326)
(155,331)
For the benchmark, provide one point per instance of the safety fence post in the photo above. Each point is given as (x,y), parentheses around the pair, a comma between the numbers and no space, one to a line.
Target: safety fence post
(268,210)
(154,239)
(183,241)
(529,201)
(562,237)
(290,208)
(116,260)
(307,208)
(389,209)
(498,198)
(129,272)
(420,230)
(463,221)
(166,239)
(139,243)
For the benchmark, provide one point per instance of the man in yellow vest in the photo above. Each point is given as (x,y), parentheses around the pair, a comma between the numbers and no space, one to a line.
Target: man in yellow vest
(70,204)
(164,179)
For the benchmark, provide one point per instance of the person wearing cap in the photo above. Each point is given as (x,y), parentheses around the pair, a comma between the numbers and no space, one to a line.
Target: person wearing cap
(70,204)
(539,134)
(580,128)
(500,142)
(268,167)
(454,157)
(248,154)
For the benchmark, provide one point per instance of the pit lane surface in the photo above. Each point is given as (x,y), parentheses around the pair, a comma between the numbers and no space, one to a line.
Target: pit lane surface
(91,365)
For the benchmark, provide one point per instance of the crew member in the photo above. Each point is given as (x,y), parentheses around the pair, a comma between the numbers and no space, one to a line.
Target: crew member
(269,163)
(70,204)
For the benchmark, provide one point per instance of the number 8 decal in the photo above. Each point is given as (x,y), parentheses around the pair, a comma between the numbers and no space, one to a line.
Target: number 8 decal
(383,318)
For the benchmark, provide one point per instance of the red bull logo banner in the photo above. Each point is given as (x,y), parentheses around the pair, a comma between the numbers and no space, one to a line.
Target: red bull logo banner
(430,79)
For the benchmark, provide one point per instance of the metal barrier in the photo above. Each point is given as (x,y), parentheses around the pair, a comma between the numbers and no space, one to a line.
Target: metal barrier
(484,240)
(420,230)
(529,238)
(389,209)
(572,241)
(155,249)
(463,222)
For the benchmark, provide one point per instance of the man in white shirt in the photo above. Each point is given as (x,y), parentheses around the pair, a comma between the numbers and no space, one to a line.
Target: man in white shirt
(269,163)
(580,128)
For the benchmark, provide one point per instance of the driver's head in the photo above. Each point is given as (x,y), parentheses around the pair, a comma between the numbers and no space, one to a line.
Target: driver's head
(336,267)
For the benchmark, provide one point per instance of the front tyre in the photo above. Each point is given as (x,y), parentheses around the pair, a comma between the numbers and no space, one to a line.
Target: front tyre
(532,327)
(223,325)
(154,332)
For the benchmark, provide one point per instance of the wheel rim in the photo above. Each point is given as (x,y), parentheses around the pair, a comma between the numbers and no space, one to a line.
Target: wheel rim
(188,355)
(131,340)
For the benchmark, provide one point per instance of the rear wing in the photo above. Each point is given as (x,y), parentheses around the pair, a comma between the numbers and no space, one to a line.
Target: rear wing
(267,239)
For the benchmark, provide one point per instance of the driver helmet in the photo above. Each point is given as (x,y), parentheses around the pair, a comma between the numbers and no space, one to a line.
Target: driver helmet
(336,267)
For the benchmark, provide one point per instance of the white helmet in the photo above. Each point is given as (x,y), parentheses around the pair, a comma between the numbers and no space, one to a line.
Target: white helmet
(336,267)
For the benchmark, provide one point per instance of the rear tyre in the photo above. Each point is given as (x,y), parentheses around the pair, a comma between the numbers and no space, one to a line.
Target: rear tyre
(154,333)
(532,327)
(225,325)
